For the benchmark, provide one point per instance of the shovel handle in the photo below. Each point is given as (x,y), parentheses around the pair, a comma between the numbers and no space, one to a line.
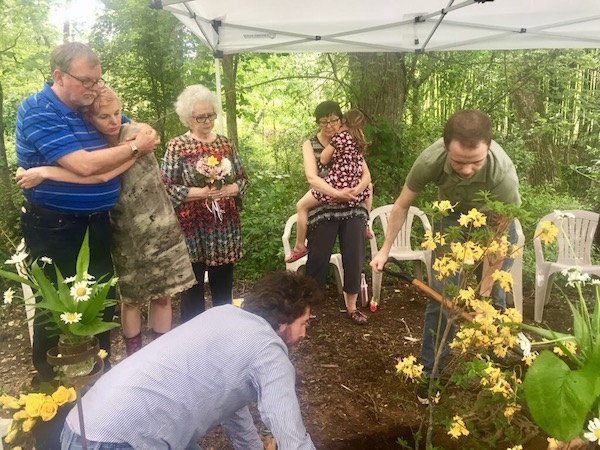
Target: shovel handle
(424,288)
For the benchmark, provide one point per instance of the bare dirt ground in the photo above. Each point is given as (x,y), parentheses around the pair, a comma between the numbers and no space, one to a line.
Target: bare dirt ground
(350,397)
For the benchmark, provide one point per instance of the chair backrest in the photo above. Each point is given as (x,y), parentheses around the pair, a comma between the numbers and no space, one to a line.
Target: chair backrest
(402,241)
(575,236)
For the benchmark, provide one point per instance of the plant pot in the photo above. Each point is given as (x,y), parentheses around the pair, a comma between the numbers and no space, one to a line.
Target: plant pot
(75,359)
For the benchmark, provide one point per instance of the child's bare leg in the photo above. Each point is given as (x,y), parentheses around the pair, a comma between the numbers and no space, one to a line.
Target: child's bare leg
(304,204)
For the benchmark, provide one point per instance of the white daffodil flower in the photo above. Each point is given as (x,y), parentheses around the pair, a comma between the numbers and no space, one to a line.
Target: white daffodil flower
(70,317)
(594,434)
(17,258)
(525,345)
(8,296)
(563,215)
(80,291)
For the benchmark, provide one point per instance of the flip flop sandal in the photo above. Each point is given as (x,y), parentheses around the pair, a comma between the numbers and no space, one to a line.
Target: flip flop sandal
(358,318)
(296,255)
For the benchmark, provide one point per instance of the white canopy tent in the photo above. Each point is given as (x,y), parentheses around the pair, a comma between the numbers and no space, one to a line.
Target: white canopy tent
(235,26)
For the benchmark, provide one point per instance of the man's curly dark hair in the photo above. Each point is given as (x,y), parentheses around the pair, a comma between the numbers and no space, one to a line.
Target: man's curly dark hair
(282,297)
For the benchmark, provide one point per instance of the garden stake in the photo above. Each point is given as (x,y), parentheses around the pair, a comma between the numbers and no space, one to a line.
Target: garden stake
(429,292)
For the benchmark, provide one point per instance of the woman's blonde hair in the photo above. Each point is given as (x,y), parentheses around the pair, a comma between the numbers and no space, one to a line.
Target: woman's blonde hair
(189,97)
(104,97)
(354,120)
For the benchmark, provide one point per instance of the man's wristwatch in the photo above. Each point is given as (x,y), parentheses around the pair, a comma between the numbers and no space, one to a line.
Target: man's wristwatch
(134,150)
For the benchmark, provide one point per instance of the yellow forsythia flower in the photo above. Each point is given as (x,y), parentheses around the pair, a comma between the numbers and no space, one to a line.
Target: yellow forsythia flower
(28,424)
(212,161)
(548,232)
(48,409)
(516,447)
(409,367)
(458,428)
(444,205)
(102,353)
(504,279)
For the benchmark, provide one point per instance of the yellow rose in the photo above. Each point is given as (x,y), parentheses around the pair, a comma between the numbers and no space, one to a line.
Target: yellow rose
(28,424)
(34,403)
(48,409)
(10,437)
(63,395)
(20,415)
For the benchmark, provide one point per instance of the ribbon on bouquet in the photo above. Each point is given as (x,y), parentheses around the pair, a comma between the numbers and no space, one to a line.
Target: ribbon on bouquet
(216,210)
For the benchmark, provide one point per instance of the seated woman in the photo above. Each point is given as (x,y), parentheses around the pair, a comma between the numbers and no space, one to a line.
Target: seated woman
(149,253)
(345,155)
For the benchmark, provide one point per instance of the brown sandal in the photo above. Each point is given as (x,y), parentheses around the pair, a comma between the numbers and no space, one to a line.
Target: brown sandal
(358,318)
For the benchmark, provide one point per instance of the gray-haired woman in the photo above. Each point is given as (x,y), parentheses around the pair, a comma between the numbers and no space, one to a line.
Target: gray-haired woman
(206,180)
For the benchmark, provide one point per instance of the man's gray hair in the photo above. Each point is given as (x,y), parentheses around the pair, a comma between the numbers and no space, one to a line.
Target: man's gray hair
(189,97)
(63,56)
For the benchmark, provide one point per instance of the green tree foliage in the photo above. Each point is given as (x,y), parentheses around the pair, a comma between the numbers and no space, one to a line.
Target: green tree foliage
(148,58)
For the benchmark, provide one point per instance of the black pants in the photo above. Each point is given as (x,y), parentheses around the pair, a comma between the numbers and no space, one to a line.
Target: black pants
(220,280)
(59,236)
(321,240)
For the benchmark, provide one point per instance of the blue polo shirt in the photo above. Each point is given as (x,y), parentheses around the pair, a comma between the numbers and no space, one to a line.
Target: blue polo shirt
(46,130)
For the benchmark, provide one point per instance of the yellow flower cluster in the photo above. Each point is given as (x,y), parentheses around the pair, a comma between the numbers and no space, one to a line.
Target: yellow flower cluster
(409,367)
(466,252)
(458,428)
(30,408)
(495,381)
(490,328)
(445,267)
(548,232)
(473,217)
(431,242)
(444,206)
(504,279)
(570,346)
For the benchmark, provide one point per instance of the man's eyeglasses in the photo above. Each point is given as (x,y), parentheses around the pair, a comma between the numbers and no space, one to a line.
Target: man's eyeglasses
(205,118)
(324,123)
(88,84)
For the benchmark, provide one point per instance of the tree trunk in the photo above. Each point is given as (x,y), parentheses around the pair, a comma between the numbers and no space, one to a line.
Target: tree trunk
(9,209)
(229,75)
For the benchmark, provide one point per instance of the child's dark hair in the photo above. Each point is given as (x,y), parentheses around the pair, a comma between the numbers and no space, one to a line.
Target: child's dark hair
(354,120)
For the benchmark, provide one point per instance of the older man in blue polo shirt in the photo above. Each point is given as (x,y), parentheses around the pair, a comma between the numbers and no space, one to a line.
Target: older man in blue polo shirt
(55,216)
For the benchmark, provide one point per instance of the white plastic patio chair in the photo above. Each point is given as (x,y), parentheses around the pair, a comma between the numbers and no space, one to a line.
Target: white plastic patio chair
(517,270)
(574,240)
(402,249)
(335,259)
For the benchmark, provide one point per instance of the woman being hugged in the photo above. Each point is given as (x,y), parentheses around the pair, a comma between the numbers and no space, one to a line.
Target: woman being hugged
(206,181)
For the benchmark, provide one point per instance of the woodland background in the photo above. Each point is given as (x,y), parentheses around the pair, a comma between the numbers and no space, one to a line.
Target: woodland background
(544,105)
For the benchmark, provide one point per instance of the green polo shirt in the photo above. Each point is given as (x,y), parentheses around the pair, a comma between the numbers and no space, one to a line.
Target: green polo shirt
(497,176)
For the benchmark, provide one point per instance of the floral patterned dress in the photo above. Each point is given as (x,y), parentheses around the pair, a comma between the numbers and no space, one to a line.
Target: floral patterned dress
(346,168)
(210,239)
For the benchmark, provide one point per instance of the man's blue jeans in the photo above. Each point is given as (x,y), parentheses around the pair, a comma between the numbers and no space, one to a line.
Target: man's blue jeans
(72,441)
(433,309)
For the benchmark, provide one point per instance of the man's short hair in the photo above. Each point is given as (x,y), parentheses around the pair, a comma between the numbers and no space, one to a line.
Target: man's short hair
(327,108)
(63,56)
(282,297)
(469,127)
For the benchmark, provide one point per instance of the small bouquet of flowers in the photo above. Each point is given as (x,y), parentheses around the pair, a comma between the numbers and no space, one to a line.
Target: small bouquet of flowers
(29,409)
(214,171)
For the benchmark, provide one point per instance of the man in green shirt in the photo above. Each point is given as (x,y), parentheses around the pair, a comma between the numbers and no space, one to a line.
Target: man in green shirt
(465,162)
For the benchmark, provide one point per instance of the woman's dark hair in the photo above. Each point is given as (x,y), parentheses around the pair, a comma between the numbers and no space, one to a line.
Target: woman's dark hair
(327,108)
(282,297)
(469,128)
(354,120)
